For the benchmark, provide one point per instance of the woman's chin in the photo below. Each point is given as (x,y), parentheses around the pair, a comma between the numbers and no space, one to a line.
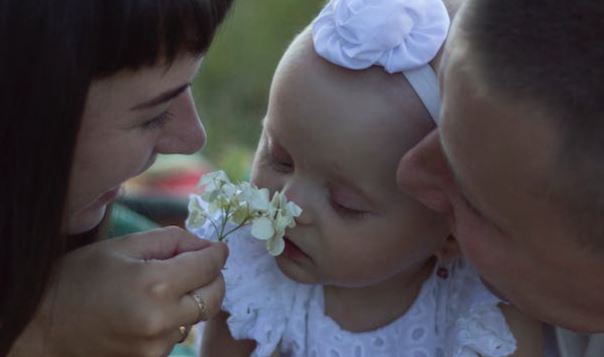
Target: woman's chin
(85,220)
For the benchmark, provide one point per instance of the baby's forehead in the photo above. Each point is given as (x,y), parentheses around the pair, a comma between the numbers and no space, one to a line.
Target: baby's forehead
(370,97)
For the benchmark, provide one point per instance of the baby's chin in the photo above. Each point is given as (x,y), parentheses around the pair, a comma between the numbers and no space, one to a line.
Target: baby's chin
(299,272)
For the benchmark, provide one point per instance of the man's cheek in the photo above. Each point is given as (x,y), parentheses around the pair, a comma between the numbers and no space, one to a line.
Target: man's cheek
(475,236)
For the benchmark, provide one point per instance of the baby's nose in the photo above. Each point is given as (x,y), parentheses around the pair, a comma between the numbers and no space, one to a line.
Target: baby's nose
(296,194)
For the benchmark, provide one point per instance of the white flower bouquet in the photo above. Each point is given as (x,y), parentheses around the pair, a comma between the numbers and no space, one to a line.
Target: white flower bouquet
(242,204)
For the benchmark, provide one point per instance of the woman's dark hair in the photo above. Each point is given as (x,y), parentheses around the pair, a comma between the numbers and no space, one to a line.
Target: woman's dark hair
(50,52)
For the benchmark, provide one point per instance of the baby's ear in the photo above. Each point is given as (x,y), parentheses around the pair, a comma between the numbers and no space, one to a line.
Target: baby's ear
(449,250)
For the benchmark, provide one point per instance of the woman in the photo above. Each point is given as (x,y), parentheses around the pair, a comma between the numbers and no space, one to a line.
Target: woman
(91,91)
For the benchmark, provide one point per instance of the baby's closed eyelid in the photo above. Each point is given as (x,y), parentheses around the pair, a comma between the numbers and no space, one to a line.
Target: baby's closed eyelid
(346,199)
(344,210)
(282,165)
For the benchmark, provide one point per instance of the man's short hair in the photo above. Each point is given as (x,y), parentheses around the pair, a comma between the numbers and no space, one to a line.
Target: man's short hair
(550,55)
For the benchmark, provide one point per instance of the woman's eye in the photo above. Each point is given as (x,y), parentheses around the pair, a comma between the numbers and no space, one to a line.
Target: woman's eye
(157,122)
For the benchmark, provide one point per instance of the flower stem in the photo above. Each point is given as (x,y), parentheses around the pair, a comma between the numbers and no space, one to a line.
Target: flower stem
(215,227)
(236,228)
(225,219)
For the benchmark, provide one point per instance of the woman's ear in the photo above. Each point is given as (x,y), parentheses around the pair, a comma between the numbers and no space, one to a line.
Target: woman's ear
(424,174)
(449,250)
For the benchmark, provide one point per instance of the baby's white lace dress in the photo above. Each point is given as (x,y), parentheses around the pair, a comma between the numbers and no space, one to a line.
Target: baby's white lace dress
(456,316)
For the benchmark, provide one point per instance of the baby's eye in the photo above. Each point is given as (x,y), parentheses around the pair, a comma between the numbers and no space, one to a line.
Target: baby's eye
(281,162)
(345,210)
(281,165)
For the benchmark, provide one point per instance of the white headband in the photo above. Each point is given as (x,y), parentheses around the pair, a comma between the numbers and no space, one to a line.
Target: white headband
(399,35)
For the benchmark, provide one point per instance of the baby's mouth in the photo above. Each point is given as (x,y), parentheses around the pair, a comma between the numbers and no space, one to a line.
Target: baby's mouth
(292,251)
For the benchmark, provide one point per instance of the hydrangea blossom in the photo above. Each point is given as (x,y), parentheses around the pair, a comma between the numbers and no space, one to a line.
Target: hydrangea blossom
(242,204)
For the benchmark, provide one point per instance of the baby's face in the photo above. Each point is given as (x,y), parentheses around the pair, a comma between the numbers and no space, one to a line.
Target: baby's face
(332,141)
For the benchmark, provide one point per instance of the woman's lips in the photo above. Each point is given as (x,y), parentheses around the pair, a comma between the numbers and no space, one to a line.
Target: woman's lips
(292,251)
(109,196)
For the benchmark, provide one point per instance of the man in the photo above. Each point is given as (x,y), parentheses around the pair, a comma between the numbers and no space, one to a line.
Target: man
(518,162)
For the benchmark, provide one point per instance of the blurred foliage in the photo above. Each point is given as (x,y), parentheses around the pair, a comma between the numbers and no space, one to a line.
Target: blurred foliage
(231,90)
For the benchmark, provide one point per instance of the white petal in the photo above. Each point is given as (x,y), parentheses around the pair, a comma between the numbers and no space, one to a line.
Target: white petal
(275,246)
(262,228)
(210,196)
(196,219)
(213,180)
(264,194)
(229,190)
(263,199)
(275,200)
(213,208)
(221,176)
(291,223)
(281,222)
(258,199)
(194,204)
(282,200)
(294,209)
(239,215)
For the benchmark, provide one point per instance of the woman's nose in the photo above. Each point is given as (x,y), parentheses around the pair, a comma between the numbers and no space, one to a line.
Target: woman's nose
(184,133)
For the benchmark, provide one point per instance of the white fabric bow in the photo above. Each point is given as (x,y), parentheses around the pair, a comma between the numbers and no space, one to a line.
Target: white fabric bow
(397,34)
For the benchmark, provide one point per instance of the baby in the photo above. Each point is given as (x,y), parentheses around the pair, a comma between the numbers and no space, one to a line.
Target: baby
(367,271)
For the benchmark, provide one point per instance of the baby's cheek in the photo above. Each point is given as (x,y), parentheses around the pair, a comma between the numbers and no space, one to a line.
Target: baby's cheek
(257,177)
(258,173)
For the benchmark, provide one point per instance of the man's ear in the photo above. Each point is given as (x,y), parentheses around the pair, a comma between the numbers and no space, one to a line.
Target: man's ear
(424,174)
(449,250)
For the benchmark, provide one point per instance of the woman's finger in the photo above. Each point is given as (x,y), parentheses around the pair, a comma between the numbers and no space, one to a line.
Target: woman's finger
(191,270)
(162,243)
(203,303)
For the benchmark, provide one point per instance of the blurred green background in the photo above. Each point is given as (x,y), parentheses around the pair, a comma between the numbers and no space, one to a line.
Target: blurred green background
(231,90)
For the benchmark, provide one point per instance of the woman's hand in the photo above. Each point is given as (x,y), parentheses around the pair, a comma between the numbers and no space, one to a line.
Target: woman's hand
(127,296)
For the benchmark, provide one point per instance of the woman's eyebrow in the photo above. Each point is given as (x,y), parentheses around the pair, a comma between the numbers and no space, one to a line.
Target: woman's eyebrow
(162,98)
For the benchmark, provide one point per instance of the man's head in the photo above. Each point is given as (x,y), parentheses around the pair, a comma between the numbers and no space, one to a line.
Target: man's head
(516,164)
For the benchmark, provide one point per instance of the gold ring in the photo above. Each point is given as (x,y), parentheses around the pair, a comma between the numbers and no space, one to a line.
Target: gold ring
(201,305)
(184,332)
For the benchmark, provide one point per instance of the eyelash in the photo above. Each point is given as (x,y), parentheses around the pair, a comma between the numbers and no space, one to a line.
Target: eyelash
(285,166)
(346,211)
(157,122)
(280,165)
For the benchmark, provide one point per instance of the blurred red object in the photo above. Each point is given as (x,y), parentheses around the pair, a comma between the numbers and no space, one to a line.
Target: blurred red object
(174,176)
